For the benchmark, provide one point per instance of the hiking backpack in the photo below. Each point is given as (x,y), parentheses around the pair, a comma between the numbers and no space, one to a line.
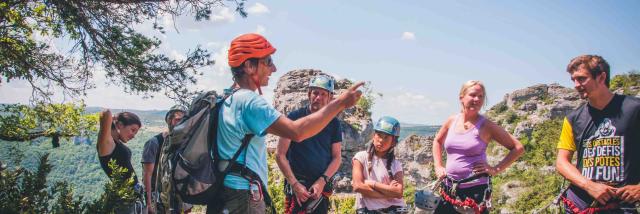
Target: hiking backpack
(190,168)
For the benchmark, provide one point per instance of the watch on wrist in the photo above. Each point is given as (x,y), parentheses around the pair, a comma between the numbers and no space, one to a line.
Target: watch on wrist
(325,178)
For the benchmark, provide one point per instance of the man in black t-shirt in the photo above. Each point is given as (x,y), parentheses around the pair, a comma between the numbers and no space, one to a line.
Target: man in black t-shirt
(605,132)
(309,165)
(151,153)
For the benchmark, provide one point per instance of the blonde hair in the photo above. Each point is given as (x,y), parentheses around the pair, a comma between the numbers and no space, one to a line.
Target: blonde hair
(470,84)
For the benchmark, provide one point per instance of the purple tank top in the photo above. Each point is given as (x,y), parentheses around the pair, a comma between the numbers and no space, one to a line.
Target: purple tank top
(463,151)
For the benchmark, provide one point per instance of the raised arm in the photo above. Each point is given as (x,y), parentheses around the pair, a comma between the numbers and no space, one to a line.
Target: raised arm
(312,124)
(105,143)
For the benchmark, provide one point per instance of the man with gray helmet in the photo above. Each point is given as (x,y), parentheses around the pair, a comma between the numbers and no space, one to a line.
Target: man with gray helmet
(151,153)
(308,165)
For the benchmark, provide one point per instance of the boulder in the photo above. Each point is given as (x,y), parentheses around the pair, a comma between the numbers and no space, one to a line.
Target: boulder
(291,93)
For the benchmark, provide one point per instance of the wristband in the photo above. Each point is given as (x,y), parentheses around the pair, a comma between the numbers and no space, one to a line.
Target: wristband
(325,178)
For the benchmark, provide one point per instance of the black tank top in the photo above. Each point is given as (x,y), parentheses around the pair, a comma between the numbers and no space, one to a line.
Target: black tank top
(122,155)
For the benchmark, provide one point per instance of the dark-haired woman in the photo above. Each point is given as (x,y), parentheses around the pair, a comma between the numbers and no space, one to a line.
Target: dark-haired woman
(113,134)
(377,175)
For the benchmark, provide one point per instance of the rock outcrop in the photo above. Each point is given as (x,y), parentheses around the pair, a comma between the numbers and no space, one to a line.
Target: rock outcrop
(415,154)
(356,124)
(522,109)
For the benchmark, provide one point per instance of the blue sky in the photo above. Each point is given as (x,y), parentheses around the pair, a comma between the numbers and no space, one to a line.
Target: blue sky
(416,53)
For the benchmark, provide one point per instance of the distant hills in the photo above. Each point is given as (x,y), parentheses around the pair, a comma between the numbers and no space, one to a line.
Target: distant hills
(417,129)
(156,118)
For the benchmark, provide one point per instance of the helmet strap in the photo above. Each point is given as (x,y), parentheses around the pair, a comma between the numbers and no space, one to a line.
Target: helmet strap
(257,83)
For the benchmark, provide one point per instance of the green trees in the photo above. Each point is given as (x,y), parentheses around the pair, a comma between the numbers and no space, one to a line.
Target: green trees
(23,123)
(626,81)
(101,35)
(24,191)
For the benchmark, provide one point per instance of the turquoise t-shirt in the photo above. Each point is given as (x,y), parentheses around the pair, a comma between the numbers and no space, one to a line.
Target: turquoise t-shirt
(245,112)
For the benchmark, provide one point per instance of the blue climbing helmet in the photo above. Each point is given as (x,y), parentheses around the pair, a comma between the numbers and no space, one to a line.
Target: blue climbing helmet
(174,109)
(388,125)
(322,81)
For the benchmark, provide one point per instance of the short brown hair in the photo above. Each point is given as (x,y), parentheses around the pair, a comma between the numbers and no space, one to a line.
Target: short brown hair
(593,63)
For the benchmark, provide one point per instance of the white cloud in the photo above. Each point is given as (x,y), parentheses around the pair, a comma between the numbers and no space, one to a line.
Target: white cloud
(258,8)
(261,30)
(408,36)
(218,76)
(16,91)
(177,56)
(223,15)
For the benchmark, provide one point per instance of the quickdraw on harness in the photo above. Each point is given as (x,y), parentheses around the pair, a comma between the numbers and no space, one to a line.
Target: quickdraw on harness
(589,210)
(388,210)
(467,205)
(310,205)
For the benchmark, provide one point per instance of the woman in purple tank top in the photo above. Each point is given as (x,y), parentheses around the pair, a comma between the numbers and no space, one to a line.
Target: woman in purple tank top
(464,137)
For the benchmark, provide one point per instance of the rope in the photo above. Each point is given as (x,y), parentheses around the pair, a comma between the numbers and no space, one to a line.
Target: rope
(468,202)
(591,210)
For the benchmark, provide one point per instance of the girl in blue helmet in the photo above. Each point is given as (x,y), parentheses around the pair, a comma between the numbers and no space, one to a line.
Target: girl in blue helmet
(377,175)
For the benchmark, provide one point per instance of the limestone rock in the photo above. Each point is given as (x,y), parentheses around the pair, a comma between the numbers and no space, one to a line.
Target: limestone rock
(356,124)
(522,109)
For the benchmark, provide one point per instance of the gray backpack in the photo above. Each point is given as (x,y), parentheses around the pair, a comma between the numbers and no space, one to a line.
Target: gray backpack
(187,170)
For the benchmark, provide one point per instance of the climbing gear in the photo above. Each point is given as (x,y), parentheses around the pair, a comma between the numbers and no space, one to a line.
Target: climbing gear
(322,81)
(388,210)
(310,205)
(388,125)
(191,169)
(589,210)
(428,199)
(468,205)
(248,46)
(140,198)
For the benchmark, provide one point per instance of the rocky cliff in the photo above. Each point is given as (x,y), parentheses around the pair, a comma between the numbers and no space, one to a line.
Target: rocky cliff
(522,109)
(291,94)
(415,154)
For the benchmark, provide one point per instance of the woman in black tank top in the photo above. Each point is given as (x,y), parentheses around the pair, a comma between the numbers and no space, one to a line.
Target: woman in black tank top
(114,133)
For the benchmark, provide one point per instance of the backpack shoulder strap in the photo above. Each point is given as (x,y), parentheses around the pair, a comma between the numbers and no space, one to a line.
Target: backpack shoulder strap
(213,127)
(160,139)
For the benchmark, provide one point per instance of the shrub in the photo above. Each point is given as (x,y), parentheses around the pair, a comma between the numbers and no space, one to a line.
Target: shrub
(511,117)
(500,107)
(23,191)
(541,187)
(275,184)
(625,81)
(368,99)
(409,192)
(343,204)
